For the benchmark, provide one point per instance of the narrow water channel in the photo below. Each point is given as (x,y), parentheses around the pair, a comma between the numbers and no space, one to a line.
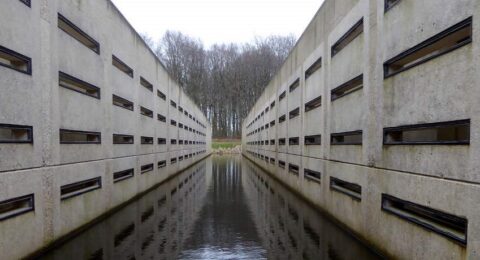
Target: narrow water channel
(222,208)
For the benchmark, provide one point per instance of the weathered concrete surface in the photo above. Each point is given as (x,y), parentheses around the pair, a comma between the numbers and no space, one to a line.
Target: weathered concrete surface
(36,100)
(443,177)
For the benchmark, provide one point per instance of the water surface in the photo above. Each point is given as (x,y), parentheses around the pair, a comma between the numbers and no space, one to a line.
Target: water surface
(222,208)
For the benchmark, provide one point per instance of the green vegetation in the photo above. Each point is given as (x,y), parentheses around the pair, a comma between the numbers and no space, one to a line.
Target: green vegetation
(225,143)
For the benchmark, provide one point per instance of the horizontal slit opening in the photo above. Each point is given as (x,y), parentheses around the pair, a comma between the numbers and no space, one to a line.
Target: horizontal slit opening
(282,96)
(389,4)
(312,175)
(123,175)
(293,141)
(16,61)
(146,112)
(347,138)
(146,84)
(348,37)
(146,140)
(161,95)
(180,109)
(162,140)
(444,224)
(180,141)
(123,139)
(281,164)
(146,168)
(161,118)
(79,137)
(282,119)
(173,160)
(313,68)
(293,168)
(351,189)
(117,63)
(347,88)
(448,40)
(313,140)
(121,102)
(180,158)
(452,132)
(173,104)
(294,113)
(173,122)
(13,207)
(162,164)
(81,187)
(281,141)
(173,141)
(272,160)
(26,2)
(71,29)
(272,105)
(294,85)
(16,134)
(272,142)
(80,86)
(314,103)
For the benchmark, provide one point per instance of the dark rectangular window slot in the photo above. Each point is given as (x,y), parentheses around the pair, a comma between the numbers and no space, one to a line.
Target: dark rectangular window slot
(293,141)
(293,168)
(79,137)
(282,119)
(312,175)
(162,141)
(121,102)
(16,61)
(314,103)
(446,41)
(146,112)
(272,123)
(180,158)
(351,189)
(173,122)
(452,132)
(313,140)
(123,175)
(281,164)
(185,113)
(161,118)
(173,141)
(173,160)
(180,141)
(272,105)
(79,35)
(267,109)
(80,86)
(294,85)
(123,139)
(347,88)
(26,2)
(146,84)
(294,113)
(347,138)
(146,168)
(272,142)
(13,207)
(173,104)
(348,37)
(389,4)
(442,223)
(16,134)
(146,140)
(122,66)
(180,125)
(281,141)
(180,109)
(161,95)
(81,187)
(282,96)
(313,68)
(162,164)
(272,160)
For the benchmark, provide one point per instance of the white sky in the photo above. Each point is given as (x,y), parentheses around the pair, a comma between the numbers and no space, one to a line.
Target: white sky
(219,21)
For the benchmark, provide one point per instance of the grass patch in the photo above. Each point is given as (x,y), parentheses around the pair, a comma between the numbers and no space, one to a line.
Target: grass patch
(225,144)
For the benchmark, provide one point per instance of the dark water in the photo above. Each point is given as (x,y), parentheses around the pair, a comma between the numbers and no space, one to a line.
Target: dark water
(222,208)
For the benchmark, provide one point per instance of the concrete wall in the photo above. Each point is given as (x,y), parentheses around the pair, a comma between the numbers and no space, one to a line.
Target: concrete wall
(42,166)
(442,177)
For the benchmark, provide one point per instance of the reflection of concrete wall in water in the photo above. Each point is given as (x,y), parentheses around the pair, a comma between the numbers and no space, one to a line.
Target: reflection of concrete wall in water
(85,111)
(154,227)
(290,228)
(388,124)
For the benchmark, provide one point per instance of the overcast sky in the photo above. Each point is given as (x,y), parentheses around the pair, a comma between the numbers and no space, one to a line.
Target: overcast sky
(219,21)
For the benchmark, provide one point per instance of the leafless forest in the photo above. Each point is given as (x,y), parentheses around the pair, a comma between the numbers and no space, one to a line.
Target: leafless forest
(224,80)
